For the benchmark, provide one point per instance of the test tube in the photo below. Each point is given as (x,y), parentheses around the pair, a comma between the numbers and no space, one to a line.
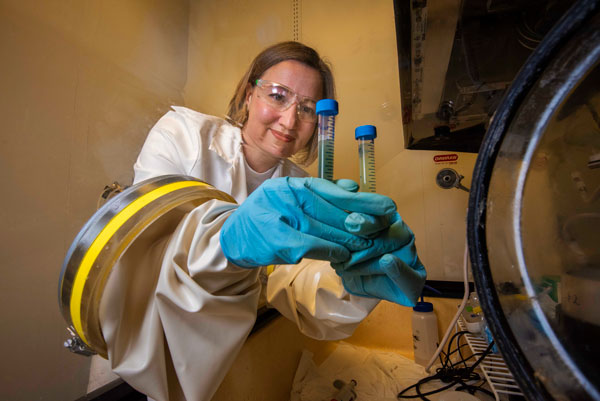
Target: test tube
(327,109)
(365,135)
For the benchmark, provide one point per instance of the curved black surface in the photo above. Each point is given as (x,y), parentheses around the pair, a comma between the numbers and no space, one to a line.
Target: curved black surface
(564,30)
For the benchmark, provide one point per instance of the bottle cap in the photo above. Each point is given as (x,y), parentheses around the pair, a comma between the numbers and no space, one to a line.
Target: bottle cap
(327,107)
(423,307)
(365,132)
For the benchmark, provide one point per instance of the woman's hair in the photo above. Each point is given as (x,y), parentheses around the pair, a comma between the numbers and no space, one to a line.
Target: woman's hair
(237,111)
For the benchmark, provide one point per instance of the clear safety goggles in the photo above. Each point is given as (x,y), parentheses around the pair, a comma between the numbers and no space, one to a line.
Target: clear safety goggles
(280,97)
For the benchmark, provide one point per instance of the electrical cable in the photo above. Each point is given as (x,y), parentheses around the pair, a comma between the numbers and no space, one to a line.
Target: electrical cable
(448,373)
(458,312)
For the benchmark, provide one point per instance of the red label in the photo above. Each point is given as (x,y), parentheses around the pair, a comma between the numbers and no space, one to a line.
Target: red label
(445,158)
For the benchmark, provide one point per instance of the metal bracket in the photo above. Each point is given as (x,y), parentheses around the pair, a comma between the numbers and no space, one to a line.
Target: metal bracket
(76,345)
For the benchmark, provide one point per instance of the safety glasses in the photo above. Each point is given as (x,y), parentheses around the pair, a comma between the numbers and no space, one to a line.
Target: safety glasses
(280,97)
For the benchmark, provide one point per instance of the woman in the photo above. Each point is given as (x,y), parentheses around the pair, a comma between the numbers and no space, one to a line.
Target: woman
(204,301)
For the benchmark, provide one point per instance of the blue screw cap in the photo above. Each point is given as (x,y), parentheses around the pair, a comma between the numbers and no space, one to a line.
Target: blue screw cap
(327,107)
(365,132)
(423,307)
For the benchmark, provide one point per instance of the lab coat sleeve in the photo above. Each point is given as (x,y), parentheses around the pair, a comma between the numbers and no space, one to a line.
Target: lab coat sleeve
(171,147)
(312,295)
(175,316)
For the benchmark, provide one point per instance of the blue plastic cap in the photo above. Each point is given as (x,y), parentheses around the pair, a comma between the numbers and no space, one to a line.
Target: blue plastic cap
(423,307)
(327,107)
(365,132)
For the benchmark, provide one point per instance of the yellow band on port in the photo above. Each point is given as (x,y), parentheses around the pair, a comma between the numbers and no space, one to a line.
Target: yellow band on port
(102,239)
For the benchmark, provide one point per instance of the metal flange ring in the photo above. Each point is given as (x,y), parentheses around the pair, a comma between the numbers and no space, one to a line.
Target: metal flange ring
(105,238)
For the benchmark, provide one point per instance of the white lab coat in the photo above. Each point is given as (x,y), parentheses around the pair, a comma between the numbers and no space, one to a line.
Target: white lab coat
(175,318)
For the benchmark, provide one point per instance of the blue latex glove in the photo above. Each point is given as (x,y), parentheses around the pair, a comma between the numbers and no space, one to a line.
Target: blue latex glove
(348,185)
(359,223)
(286,219)
(389,269)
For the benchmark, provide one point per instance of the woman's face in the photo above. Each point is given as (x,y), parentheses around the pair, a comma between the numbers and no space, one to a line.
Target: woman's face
(273,134)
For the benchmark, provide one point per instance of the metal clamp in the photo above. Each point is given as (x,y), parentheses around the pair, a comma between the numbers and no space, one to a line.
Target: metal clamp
(76,345)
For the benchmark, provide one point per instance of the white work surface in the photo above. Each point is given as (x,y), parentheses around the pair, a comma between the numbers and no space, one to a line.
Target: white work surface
(379,375)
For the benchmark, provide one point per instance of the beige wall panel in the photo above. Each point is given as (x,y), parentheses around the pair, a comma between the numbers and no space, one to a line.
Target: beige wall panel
(81,84)
(437,216)
(224,38)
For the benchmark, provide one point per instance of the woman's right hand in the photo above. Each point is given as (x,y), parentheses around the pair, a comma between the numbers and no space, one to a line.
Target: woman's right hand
(287,219)
(388,269)
(390,277)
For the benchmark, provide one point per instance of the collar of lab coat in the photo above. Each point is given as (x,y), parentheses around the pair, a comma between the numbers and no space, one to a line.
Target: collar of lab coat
(227,142)
(226,139)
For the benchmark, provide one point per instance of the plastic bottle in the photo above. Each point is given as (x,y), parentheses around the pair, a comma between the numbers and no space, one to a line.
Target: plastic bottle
(327,109)
(425,332)
(365,135)
(472,314)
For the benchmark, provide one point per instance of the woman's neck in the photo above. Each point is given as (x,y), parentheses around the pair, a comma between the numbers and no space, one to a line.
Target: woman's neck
(258,160)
